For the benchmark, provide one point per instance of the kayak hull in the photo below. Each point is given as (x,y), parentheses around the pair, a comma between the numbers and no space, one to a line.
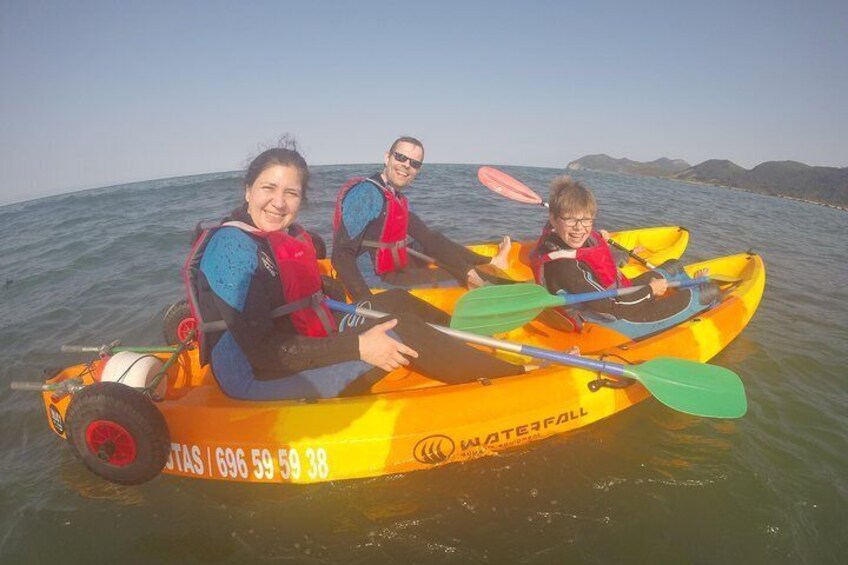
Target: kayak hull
(410,422)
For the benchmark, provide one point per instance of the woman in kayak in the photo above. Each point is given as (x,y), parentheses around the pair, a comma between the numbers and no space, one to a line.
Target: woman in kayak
(255,290)
(373,222)
(571,257)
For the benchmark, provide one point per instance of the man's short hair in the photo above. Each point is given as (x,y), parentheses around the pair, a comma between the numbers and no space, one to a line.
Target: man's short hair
(405,139)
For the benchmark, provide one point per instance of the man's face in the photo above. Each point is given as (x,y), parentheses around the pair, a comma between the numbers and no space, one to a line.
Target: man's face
(401,174)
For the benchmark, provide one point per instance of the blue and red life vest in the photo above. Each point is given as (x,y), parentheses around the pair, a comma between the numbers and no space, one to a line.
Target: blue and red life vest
(391,254)
(296,267)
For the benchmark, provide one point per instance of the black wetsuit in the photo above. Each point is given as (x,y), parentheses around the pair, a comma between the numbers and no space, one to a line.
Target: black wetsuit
(575,277)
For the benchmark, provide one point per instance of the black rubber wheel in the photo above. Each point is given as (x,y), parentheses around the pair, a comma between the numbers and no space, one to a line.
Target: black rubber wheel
(178,323)
(118,433)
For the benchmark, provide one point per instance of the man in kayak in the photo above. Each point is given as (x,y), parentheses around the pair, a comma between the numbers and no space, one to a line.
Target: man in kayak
(570,257)
(372,225)
(255,289)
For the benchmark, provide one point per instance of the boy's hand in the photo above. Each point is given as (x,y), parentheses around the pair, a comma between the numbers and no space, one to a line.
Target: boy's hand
(658,286)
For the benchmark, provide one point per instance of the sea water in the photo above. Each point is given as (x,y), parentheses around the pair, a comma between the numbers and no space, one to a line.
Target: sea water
(646,485)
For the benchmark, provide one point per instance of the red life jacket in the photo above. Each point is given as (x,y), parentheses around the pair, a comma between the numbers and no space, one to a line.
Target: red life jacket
(391,252)
(301,281)
(297,270)
(597,257)
(537,263)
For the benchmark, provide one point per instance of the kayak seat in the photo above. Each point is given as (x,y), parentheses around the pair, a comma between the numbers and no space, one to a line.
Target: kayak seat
(562,319)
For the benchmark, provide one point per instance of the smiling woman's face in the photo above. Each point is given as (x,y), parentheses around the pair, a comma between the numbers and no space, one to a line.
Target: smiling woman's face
(274,198)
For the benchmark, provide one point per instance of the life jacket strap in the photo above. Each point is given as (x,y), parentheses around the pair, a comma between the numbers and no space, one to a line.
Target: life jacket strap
(311,301)
(394,247)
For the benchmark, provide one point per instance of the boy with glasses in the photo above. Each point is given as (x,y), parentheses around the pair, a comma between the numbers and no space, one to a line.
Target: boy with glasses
(570,257)
(372,226)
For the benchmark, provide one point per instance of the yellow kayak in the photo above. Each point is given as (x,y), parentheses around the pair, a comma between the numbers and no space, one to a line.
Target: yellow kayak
(657,245)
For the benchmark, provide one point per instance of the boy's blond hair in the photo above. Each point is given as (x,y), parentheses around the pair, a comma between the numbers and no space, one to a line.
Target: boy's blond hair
(569,196)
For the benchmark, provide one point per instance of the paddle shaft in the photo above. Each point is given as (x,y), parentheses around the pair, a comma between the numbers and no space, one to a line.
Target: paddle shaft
(419,255)
(689,387)
(491,310)
(432,261)
(630,252)
(589,296)
(615,369)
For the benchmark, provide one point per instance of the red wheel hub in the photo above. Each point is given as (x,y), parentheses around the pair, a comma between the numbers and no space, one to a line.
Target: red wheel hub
(110,442)
(185,327)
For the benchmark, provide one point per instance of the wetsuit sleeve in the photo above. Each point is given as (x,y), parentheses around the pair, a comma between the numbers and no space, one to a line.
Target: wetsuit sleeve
(565,274)
(455,258)
(243,295)
(568,275)
(298,353)
(361,207)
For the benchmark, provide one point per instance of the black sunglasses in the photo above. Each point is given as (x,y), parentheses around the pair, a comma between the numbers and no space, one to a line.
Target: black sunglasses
(401,158)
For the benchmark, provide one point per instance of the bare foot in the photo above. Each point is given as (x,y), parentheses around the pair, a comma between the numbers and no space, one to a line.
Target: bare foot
(702,272)
(501,260)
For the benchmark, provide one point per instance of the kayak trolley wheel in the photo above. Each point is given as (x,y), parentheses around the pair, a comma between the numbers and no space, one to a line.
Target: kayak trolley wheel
(178,323)
(118,433)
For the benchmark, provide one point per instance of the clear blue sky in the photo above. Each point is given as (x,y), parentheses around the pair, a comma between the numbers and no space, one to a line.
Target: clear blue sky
(99,93)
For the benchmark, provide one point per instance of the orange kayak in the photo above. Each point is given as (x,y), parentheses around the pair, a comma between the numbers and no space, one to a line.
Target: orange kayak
(407,422)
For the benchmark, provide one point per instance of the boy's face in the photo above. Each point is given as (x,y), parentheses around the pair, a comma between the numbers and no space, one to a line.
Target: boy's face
(574,227)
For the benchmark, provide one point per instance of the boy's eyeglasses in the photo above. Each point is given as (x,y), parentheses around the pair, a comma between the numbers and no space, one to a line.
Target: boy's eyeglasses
(571,222)
(401,158)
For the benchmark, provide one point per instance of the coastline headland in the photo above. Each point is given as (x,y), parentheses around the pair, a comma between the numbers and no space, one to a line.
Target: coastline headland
(825,186)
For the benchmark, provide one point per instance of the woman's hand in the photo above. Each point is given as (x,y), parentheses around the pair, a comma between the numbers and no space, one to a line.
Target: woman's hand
(605,235)
(658,286)
(382,350)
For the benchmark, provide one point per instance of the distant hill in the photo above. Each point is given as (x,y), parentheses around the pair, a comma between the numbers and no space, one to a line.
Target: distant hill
(662,167)
(825,185)
(714,171)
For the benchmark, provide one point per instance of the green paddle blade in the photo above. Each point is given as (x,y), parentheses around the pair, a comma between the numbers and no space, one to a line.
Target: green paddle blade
(494,309)
(692,387)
